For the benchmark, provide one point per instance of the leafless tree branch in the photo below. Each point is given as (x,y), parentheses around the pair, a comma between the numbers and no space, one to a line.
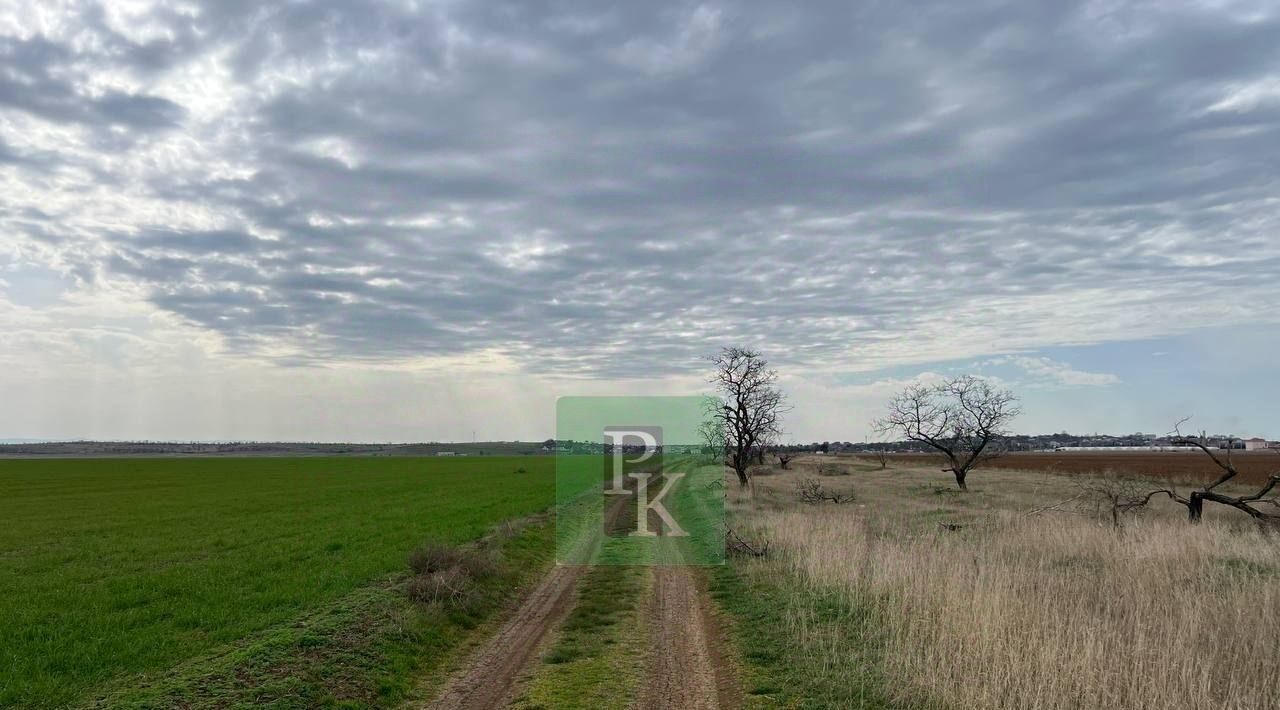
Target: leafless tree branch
(746,419)
(1194,501)
(736,545)
(964,419)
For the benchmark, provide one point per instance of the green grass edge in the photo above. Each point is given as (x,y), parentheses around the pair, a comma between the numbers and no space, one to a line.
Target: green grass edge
(370,648)
(780,669)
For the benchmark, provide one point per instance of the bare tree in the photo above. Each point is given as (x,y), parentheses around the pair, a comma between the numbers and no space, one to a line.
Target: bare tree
(1107,497)
(964,419)
(747,416)
(1194,501)
(785,457)
(881,457)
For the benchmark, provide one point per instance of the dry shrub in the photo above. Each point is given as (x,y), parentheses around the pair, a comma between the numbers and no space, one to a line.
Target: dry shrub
(448,575)
(1059,612)
(451,586)
(810,490)
(435,557)
(479,565)
(1111,496)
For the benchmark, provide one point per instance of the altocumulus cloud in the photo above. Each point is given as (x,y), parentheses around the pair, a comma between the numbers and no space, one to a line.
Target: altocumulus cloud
(606,188)
(1053,373)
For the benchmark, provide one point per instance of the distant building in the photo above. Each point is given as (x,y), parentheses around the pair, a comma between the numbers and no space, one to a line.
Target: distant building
(1127,448)
(445,453)
(1255,444)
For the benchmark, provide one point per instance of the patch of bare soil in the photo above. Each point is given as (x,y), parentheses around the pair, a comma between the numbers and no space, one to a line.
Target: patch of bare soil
(689,669)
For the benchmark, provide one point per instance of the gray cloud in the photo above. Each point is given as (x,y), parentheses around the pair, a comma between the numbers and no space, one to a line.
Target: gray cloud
(612,188)
(33,80)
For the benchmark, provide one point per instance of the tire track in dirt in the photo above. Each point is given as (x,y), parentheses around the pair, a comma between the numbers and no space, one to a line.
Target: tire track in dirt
(490,678)
(492,674)
(689,669)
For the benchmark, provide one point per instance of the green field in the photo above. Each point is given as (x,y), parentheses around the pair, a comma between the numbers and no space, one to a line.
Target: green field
(118,573)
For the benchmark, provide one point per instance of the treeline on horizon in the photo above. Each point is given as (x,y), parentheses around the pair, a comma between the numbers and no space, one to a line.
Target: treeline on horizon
(1016,442)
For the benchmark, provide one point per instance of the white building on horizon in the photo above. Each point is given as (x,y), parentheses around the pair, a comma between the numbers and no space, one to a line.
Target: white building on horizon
(1256,444)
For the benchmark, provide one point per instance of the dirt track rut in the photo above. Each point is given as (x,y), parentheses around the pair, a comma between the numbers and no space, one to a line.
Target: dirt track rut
(492,674)
(688,669)
(491,677)
(687,666)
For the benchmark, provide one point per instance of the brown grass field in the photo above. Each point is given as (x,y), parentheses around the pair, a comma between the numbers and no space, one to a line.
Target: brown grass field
(1180,467)
(988,600)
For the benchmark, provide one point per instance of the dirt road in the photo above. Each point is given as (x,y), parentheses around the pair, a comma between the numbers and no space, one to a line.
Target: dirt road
(490,677)
(688,668)
(687,665)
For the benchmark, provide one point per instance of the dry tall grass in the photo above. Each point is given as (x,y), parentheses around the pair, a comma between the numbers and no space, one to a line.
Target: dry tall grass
(1049,611)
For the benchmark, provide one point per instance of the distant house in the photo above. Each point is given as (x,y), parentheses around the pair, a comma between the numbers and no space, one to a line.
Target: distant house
(1255,444)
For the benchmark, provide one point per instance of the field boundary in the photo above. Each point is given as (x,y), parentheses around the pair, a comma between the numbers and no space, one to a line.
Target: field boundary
(375,630)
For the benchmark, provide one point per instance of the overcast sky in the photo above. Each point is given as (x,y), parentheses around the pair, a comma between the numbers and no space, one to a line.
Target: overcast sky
(420,220)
